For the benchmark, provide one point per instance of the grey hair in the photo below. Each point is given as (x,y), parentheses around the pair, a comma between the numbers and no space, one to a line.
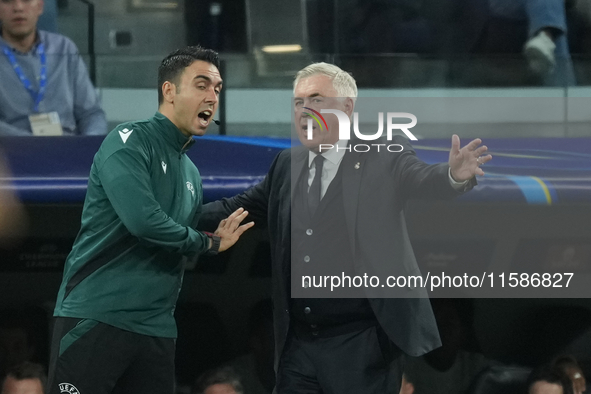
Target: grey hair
(342,81)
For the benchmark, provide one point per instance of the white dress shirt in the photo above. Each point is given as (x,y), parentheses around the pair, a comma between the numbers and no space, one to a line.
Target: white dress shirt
(332,160)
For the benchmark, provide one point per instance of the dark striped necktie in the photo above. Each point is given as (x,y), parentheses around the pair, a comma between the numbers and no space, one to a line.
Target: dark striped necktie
(314,194)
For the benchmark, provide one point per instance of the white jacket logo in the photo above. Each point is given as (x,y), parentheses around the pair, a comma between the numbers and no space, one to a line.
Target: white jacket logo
(125,133)
(68,388)
(191,189)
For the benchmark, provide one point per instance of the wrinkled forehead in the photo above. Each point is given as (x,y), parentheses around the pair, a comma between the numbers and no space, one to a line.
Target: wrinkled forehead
(315,85)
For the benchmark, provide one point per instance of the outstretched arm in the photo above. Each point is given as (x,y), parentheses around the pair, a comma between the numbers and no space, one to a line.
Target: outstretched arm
(419,180)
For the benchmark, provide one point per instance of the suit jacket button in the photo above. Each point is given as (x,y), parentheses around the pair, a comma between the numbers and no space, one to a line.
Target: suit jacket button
(307,259)
(309,231)
(307,310)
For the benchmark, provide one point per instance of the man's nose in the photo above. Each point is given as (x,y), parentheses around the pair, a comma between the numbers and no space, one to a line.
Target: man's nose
(18,5)
(212,96)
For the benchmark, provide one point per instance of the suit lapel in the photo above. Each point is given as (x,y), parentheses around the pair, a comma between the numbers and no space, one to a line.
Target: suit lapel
(297,166)
(353,163)
(298,162)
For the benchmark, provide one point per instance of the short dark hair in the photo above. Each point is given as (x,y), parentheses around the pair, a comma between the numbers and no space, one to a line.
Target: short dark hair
(175,63)
(550,374)
(225,375)
(28,370)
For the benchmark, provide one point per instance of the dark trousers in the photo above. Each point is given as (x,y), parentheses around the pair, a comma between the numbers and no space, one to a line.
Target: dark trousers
(363,361)
(95,358)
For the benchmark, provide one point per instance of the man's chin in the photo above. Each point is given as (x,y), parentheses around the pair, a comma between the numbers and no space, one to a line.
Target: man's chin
(20,32)
(310,144)
(199,130)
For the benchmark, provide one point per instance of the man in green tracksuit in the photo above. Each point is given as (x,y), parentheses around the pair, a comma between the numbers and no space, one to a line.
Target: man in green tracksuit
(115,329)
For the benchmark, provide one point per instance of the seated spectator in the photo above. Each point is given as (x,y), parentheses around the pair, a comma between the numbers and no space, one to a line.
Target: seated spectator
(45,88)
(569,366)
(546,46)
(26,378)
(548,379)
(218,381)
(505,379)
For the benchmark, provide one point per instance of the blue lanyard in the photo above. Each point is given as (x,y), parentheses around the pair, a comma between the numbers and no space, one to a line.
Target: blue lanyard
(37,96)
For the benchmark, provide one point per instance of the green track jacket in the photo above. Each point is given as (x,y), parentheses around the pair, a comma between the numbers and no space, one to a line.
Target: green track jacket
(143,202)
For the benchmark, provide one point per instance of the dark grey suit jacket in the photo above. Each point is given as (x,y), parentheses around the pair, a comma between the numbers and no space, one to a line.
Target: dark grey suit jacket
(375,189)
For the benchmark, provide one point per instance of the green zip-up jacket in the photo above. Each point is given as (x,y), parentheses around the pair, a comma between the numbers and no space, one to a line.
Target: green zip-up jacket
(143,202)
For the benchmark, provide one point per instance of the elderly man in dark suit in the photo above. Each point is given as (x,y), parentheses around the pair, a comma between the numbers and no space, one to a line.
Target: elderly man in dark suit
(340,209)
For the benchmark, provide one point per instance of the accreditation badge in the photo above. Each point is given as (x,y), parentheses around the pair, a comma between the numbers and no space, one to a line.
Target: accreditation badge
(46,124)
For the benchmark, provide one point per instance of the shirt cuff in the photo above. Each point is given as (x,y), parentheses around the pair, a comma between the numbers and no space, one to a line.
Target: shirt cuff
(454,184)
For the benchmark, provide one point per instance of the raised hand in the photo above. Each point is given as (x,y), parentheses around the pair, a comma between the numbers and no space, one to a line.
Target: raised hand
(465,163)
(230,230)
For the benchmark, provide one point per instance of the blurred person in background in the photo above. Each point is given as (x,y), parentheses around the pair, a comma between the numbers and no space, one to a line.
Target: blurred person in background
(571,368)
(547,379)
(546,46)
(219,381)
(25,378)
(45,88)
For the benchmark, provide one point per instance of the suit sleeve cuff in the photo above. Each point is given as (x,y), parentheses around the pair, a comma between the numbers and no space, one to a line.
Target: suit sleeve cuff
(456,185)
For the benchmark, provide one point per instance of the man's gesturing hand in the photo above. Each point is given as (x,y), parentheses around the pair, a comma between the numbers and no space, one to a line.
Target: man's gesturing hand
(465,163)
(229,229)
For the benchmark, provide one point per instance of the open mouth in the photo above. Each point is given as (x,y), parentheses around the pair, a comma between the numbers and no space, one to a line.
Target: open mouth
(314,127)
(307,135)
(205,117)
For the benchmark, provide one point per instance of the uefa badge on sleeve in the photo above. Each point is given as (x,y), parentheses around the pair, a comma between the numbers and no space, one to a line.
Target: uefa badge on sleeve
(68,388)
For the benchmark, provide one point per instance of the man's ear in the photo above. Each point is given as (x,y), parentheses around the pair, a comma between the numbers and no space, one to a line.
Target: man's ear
(349,107)
(168,91)
(41,7)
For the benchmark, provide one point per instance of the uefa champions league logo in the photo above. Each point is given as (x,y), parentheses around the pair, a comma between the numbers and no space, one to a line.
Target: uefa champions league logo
(68,388)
